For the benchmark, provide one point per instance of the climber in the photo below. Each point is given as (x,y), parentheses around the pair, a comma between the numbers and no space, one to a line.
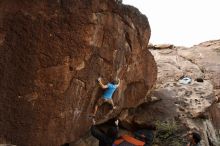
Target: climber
(105,139)
(194,139)
(107,96)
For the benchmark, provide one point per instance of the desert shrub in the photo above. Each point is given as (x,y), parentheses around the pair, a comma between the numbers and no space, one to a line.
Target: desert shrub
(168,134)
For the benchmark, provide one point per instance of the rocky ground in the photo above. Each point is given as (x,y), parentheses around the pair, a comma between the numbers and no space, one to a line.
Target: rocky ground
(177,108)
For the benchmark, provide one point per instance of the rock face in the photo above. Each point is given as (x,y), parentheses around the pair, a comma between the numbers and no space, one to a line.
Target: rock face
(176,106)
(52,52)
(208,60)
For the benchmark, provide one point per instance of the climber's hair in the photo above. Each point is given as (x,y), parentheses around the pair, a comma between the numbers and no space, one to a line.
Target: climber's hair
(115,82)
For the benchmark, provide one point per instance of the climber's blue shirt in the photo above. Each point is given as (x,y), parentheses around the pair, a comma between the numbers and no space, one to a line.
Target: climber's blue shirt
(109,91)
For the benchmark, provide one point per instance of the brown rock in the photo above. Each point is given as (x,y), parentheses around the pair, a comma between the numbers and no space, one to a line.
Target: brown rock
(197,99)
(215,116)
(164,109)
(207,56)
(52,52)
(163,46)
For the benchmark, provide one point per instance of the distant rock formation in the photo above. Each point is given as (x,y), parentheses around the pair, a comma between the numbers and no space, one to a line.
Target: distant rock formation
(193,104)
(52,52)
(160,46)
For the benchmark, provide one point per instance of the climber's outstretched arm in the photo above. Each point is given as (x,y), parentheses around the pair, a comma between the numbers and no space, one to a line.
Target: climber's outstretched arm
(101,84)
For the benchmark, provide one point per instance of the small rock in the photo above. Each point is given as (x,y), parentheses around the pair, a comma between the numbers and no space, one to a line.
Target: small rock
(163,46)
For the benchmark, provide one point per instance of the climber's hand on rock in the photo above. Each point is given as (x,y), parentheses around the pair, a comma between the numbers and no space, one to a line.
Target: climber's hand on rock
(99,79)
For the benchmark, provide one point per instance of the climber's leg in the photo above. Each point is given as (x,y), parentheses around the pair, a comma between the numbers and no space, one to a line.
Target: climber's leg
(99,103)
(95,110)
(110,101)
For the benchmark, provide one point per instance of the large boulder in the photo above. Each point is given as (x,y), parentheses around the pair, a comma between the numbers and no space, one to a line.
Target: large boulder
(52,52)
(207,56)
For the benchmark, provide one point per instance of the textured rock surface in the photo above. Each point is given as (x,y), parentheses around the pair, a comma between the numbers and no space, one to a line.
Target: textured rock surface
(51,55)
(208,60)
(192,104)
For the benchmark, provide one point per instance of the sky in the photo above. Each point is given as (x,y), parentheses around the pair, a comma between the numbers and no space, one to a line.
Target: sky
(181,22)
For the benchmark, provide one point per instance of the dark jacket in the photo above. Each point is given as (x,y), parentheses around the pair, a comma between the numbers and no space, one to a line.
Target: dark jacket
(145,135)
(104,139)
